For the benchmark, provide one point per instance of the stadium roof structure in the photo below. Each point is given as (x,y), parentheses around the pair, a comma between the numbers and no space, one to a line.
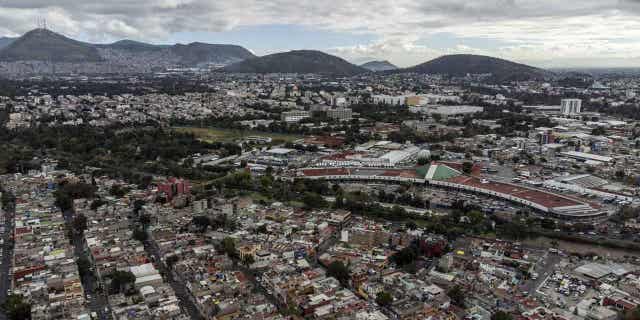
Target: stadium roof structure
(437,171)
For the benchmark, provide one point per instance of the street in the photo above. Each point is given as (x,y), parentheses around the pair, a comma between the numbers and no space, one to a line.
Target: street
(181,291)
(544,267)
(98,302)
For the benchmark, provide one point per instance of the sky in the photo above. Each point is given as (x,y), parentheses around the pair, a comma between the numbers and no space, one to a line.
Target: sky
(544,33)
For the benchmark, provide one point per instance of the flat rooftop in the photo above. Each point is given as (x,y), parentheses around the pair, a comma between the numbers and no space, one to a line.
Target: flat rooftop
(542,198)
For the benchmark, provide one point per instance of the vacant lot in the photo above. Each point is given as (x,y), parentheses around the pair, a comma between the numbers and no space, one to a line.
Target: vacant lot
(230,135)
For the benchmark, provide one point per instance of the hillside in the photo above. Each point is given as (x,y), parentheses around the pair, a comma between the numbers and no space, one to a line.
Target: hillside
(379,66)
(300,61)
(45,45)
(459,65)
(197,52)
(132,46)
(190,54)
(5,41)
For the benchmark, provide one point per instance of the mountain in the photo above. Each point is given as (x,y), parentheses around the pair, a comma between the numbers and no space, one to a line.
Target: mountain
(132,46)
(5,41)
(379,66)
(459,65)
(46,45)
(45,50)
(198,52)
(191,54)
(298,61)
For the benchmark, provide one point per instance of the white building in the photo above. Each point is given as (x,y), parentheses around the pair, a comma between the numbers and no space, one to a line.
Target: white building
(390,100)
(340,114)
(571,106)
(295,116)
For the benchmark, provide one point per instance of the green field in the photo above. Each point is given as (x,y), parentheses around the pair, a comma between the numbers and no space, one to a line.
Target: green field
(231,135)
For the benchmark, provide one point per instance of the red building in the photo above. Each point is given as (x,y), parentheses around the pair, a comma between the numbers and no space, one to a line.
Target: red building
(175,187)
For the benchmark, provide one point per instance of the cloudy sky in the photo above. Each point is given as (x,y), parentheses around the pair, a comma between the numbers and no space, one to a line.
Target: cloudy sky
(546,33)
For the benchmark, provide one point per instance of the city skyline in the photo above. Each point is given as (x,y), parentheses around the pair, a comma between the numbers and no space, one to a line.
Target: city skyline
(542,33)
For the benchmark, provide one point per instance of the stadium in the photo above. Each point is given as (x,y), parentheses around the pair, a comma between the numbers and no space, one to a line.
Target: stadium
(449,175)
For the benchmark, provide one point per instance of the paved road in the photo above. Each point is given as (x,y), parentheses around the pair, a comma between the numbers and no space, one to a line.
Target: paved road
(7,256)
(98,302)
(186,303)
(251,276)
(543,267)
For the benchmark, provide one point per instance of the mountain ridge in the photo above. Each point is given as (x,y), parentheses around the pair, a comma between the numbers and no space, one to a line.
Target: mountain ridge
(459,65)
(297,61)
(379,65)
(5,41)
(51,47)
(46,45)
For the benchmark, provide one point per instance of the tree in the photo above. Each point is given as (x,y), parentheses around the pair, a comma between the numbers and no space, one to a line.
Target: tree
(97,203)
(145,182)
(501,315)
(145,220)
(467,167)
(118,191)
(140,235)
(63,200)
(633,314)
(201,222)
(411,225)
(248,260)
(137,205)
(262,229)
(121,281)
(598,131)
(8,199)
(229,247)
(266,182)
(405,256)
(67,192)
(338,270)
(457,296)
(269,171)
(79,223)
(423,161)
(16,308)
(313,200)
(84,266)
(384,299)
(171,260)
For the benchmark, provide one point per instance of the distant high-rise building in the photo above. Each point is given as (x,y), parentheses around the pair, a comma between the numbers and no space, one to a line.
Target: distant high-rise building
(340,114)
(295,116)
(571,106)
(546,137)
(175,187)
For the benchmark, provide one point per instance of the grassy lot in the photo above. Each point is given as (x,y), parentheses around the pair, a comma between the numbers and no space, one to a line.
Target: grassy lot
(229,135)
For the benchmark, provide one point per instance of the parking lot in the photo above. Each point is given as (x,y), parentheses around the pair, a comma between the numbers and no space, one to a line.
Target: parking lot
(563,290)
